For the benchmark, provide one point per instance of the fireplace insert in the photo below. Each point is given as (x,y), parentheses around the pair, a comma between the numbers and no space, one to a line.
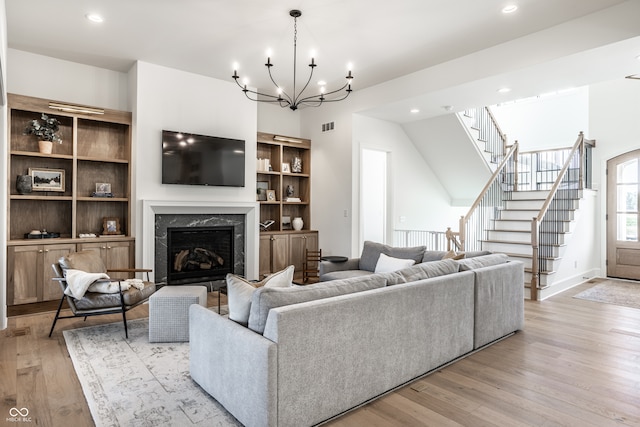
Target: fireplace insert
(199,254)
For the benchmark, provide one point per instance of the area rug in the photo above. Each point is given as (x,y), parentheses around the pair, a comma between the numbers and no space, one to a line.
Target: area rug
(613,292)
(131,382)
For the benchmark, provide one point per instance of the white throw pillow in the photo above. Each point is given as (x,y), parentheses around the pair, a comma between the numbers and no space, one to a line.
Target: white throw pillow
(240,290)
(387,264)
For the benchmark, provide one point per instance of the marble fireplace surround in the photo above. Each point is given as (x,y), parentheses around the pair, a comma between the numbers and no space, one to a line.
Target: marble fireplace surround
(151,208)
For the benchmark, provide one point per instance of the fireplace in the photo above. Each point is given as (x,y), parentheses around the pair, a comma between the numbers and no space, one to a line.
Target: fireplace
(199,254)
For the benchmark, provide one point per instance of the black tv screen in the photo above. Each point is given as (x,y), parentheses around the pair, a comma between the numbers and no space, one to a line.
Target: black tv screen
(192,159)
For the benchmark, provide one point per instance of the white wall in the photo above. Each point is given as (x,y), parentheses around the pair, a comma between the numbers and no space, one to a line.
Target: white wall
(547,122)
(277,120)
(614,122)
(416,193)
(166,98)
(55,79)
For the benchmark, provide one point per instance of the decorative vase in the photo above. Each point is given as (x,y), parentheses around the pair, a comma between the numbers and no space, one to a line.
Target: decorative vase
(297,223)
(24,184)
(46,147)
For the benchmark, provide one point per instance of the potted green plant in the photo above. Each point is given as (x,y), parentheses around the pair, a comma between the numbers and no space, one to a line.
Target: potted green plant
(46,129)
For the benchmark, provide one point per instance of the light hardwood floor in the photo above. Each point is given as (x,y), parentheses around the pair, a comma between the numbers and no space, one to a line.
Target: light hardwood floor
(577,363)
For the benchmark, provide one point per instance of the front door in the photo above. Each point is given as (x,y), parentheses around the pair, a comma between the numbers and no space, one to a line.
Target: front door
(623,216)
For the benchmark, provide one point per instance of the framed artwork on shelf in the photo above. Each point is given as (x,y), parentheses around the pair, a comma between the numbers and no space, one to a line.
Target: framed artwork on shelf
(261,191)
(103,188)
(286,222)
(47,179)
(286,167)
(271,195)
(111,225)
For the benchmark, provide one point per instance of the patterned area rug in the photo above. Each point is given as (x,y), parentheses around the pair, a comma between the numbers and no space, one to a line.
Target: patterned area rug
(134,382)
(613,292)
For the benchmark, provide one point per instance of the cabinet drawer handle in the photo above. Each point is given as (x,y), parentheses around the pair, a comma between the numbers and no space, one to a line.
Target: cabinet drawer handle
(40,251)
(108,247)
(46,250)
(104,247)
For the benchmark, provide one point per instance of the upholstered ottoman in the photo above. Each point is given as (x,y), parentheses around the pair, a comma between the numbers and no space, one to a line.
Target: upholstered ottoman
(169,312)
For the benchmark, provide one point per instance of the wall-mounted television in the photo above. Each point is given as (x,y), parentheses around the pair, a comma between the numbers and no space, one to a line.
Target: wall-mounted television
(191,159)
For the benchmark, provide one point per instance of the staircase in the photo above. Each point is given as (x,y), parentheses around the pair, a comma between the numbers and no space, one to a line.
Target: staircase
(510,232)
(528,207)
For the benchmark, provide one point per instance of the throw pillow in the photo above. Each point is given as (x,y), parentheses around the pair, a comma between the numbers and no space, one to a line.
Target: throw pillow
(387,264)
(240,291)
(371,252)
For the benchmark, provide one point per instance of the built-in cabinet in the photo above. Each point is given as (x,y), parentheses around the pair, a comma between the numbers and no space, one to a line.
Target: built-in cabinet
(95,149)
(284,171)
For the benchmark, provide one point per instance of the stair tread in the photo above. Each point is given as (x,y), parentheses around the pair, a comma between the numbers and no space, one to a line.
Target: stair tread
(517,243)
(548,258)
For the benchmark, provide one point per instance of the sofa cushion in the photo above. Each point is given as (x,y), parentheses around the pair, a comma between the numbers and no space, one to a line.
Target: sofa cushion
(371,252)
(344,274)
(482,261)
(422,271)
(264,299)
(240,291)
(386,264)
(429,256)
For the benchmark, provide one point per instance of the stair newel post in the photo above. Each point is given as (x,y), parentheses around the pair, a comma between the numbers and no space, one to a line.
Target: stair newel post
(581,169)
(515,167)
(535,274)
(463,233)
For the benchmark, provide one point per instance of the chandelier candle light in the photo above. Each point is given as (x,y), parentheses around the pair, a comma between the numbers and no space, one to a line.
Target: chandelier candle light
(297,99)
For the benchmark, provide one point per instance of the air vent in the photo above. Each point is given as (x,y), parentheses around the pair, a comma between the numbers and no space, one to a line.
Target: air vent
(20,332)
(327,126)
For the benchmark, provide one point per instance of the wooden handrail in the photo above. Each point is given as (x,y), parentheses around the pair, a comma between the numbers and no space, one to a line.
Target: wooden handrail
(513,151)
(495,175)
(535,222)
(503,135)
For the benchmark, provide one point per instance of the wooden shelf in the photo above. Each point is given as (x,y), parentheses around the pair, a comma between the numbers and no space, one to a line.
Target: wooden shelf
(95,149)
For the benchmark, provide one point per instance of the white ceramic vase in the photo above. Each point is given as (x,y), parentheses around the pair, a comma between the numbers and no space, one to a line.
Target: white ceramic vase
(297,223)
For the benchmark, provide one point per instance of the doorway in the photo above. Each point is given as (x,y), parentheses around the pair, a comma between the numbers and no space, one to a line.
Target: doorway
(373,199)
(623,214)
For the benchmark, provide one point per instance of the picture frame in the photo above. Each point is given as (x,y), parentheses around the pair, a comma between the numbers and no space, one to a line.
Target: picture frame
(261,190)
(111,225)
(103,188)
(45,179)
(286,167)
(286,222)
(271,195)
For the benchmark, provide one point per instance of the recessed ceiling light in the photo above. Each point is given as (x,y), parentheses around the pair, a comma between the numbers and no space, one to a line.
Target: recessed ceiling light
(94,17)
(510,8)
(504,90)
(414,111)
(322,83)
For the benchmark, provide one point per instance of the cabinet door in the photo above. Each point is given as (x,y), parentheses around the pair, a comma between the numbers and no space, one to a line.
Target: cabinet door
(51,254)
(264,266)
(279,252)
(114,255)
(119,255)
(23,271)
(298,250)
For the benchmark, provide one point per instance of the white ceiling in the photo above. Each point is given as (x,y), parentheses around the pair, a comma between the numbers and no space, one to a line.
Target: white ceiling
(383,40)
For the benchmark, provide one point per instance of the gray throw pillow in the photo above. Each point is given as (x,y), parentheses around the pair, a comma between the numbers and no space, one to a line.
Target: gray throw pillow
(371,252)
(425,270)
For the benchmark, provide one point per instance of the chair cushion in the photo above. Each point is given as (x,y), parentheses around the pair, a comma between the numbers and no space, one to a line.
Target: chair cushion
(133,296)
(88,261)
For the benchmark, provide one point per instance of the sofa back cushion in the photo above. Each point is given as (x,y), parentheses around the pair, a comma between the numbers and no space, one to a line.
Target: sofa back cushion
(264,299)
(371,252)
(422,271)
(482,261)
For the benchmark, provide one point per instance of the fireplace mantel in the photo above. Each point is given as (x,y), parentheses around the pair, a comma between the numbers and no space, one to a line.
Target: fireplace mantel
(152,207)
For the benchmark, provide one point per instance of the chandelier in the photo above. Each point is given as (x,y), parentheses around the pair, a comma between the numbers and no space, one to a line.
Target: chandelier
(296,99)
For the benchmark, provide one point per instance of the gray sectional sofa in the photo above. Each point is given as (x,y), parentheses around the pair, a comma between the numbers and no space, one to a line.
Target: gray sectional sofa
(313,352)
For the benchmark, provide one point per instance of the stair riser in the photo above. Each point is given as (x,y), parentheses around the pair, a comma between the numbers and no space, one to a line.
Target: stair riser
(516,249)
(552,264)
(545,280)
(560,227)
(529,214)
(528,195)
(524,204)
(510,236)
